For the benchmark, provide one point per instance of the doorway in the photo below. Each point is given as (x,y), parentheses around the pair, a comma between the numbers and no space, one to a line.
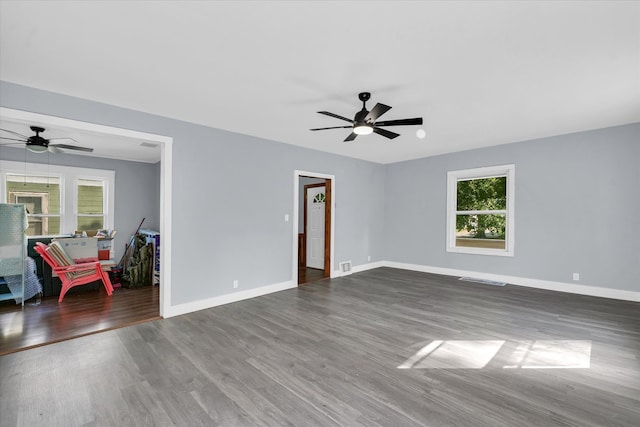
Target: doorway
(314,225)
(155,299)
(166,165)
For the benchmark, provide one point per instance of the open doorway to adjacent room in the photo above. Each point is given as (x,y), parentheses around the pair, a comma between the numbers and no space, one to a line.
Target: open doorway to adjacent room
(93,311)
(315,226)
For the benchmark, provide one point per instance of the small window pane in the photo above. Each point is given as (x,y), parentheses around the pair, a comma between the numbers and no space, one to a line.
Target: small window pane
(481,231)
(41,197)
(482,194)
(39,226)
(90,196)
(90,223)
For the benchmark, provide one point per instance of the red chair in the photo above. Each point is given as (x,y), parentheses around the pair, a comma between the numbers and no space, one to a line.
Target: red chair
(70,273)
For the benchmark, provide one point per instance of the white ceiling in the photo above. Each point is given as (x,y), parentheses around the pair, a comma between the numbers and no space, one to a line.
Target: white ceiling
(480,73)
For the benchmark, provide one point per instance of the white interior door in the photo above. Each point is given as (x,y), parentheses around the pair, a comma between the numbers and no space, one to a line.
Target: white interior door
(315,227)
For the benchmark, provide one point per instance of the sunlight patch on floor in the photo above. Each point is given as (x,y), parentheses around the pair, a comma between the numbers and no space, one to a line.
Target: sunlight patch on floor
(12,324)
(478,354)
(554,354)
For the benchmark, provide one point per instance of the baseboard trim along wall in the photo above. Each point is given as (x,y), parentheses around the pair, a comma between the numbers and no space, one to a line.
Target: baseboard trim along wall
(572,288)
(190,307)
(359,268)
(594,291)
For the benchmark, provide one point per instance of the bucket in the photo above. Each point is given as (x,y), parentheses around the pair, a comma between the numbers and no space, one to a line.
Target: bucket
(115,274)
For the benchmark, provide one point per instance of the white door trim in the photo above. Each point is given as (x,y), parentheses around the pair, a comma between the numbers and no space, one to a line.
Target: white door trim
(166,165)
(295,215)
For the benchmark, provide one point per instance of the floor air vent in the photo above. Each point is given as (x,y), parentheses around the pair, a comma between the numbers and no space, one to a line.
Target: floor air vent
(345,267)
(483,281)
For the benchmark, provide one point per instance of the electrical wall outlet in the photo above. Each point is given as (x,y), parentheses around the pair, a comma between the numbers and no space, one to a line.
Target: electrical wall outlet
(369,258)
(576,276)
(235,284)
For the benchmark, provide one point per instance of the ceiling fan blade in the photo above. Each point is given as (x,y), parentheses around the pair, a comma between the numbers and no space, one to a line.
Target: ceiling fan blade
(72,147)
(376,112)
(15,133)
(401,122)
(351,137)
(54,149)
(385,133)
(23,141)
(12,144)
(62,139)
(334,127)
(326,113)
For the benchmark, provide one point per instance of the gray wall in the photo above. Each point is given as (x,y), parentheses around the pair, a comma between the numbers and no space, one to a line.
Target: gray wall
(577,200)
(238,231)
(137,191)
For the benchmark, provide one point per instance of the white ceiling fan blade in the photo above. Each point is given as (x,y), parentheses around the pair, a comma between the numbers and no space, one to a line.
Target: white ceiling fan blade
(72,147)
(14,133)
(12,139)
(62,139)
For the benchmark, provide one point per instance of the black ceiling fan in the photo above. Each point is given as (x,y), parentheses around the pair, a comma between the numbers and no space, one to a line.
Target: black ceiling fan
(364,122)
(38,144)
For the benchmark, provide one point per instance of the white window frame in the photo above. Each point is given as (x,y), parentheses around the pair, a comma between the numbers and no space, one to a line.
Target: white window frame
(478,173)
(69,177)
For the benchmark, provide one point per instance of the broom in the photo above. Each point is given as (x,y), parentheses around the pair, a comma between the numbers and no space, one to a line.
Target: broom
(127,248)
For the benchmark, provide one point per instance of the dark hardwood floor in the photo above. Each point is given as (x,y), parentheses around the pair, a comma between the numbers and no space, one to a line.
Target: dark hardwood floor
(308,275)
(80,313)
(384,347)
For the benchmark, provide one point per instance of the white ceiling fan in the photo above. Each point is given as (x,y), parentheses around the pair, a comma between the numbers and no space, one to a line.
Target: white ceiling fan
(38,144)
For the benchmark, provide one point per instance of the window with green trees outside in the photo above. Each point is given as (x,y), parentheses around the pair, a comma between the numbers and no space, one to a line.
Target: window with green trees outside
(480,210)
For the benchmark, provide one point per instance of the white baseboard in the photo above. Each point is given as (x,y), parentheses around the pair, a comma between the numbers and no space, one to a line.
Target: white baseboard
(595,291)
(190,307)
(359,268)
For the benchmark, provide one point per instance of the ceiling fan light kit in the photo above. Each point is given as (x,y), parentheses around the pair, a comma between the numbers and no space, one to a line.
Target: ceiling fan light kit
(363,129)
(364,122)
(34,148)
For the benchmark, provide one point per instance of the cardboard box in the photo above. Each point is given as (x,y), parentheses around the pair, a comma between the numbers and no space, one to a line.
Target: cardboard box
(104,243)
(104,247)
(80,248)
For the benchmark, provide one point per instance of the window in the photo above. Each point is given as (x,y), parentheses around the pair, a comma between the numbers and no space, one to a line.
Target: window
(480,210)
(59,199)
(90,204)
(41,197)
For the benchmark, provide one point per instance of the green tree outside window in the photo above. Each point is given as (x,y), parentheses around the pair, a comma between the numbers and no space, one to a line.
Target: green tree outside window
(485,194)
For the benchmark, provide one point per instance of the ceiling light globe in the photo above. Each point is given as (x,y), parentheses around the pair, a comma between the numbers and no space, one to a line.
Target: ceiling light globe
(363,130)
(36,148)
(421,133)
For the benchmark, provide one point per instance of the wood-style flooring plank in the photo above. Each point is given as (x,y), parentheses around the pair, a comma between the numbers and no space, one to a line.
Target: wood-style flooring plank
(330,353)
(308,275)
(79,313)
